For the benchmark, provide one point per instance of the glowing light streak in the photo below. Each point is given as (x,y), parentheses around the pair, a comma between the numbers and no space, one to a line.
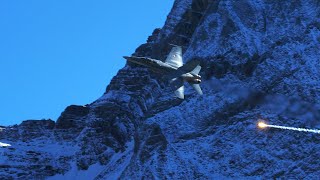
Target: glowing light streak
(263,125)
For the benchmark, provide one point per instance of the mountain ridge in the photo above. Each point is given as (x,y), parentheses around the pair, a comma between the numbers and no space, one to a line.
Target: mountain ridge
(260,59)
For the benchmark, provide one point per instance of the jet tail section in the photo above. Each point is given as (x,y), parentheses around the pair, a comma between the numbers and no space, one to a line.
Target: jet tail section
(188,67)
(177,83)
(197,88)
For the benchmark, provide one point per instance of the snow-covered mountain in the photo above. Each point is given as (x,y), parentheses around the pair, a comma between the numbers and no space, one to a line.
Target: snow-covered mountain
(261,59)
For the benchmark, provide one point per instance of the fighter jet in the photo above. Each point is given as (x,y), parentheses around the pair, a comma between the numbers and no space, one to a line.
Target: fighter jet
(173,70)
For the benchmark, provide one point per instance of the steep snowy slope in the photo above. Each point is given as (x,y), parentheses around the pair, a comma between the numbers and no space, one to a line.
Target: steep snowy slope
(261,59)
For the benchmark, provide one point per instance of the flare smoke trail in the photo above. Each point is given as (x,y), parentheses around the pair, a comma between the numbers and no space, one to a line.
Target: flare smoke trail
(263,125)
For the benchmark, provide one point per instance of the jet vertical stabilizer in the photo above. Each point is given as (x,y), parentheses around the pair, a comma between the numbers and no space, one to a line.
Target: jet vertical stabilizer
(196,70)
(178,85)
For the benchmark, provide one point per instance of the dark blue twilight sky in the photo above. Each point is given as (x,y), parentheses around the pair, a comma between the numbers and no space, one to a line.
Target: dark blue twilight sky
(55,53)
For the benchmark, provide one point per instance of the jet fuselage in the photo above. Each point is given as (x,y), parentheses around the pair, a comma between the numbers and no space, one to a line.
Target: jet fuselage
(163,68)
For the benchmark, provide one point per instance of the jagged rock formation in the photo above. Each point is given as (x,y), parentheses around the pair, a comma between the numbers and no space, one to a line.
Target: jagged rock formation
(261,60)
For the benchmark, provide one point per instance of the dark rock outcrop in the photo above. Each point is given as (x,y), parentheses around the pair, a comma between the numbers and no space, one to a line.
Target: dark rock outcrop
(72,117)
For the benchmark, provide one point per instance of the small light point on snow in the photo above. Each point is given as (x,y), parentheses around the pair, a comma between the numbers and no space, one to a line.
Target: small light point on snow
(4,145)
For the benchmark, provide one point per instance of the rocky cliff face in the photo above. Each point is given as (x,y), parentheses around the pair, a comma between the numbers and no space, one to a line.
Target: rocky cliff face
(261,60)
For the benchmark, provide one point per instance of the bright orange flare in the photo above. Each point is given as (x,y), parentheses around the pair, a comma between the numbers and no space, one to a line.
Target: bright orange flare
(262,125)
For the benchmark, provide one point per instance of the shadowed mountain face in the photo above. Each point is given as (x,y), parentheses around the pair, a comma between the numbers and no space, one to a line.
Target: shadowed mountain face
(260,59)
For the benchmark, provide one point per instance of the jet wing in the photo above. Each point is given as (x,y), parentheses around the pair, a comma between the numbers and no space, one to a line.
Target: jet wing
(175,57)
